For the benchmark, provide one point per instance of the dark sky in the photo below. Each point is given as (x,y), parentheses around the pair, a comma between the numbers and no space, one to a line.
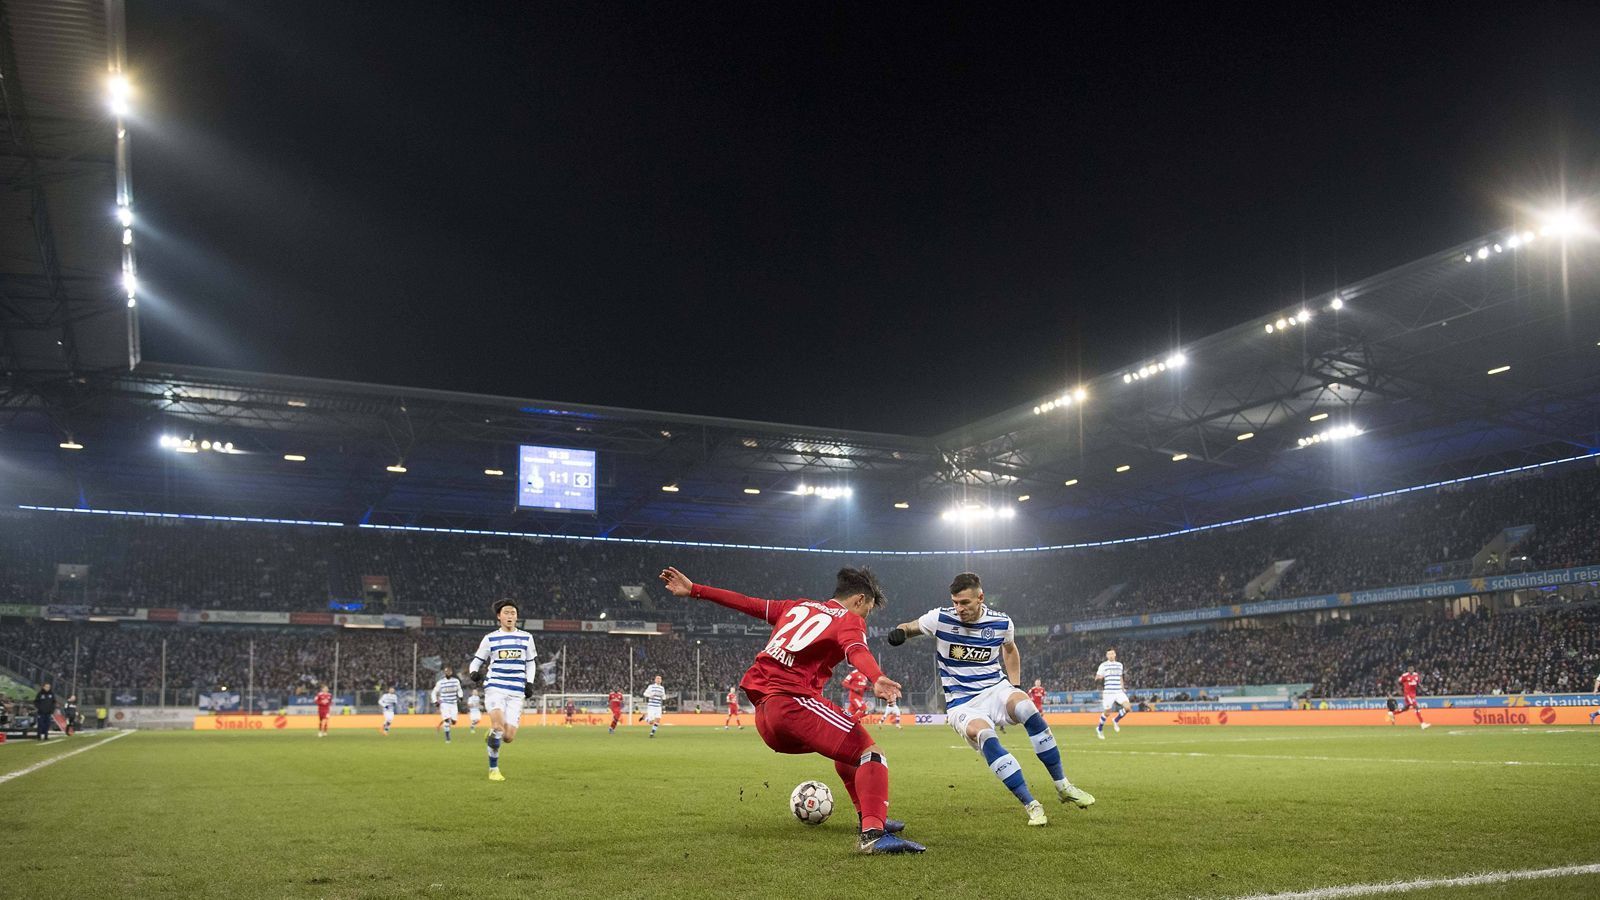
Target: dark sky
(877,218)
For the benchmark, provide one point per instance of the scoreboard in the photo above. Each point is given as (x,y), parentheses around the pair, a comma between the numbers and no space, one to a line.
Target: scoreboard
(556,478)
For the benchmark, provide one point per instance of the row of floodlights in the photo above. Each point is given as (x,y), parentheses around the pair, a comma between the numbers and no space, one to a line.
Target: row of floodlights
(977,512)
(190,445)
(1175,361)
(1339,433)
(1075,395)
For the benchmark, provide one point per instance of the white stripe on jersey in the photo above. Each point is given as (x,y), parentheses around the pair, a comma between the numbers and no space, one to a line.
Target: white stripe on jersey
(655,693)
(967,655)
(1112,671)
(389,701)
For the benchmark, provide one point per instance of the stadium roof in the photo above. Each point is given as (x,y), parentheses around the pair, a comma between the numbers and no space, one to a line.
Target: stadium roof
(65,305)
(1254,419)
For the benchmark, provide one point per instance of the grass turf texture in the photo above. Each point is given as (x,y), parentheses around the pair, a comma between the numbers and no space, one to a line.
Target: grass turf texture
(1204,812)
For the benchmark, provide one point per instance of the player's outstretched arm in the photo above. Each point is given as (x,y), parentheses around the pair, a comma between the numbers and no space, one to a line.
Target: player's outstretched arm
(886,688)
(905,630)
(680,586)
(479,661)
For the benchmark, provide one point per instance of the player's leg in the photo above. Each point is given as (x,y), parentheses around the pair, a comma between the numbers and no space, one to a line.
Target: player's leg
(811,725)
(496,730)
(1020,709)
(1122,709)
(976,725)
(1105,710)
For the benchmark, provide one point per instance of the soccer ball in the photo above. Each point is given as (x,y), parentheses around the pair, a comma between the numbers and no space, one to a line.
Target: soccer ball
(812,802)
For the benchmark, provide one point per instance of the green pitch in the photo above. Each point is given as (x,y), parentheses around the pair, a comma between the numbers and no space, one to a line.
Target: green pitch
(702,813)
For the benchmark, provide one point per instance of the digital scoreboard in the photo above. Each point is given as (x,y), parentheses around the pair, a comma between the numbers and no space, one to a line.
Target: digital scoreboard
(556,478)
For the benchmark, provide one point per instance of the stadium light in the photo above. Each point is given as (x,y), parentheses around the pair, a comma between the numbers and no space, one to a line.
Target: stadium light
(1567,222)
(1337,303)
(70,444)
(398,468)
(902,505)
(119,95)
(1244,437)
(1483,252)
(294,457)
(1179,457)
(493,473)
(1024,498)
(125,216)
(1319,417)
(1123,468)
(752,490)
(670,488)
(1070,482)
(130,283)
(1008,512)
(297,404)
(1499,369)
(1340,433)
(127,237)
(1270,328)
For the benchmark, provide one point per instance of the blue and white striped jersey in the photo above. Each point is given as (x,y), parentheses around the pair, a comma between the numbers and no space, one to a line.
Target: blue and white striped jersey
(510,657)
(1112,673)
(447,690)
(654,694)
(388,701)
(968,655)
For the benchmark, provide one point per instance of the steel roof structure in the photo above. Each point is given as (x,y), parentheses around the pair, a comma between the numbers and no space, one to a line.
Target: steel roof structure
(1406,360)
(1387,382)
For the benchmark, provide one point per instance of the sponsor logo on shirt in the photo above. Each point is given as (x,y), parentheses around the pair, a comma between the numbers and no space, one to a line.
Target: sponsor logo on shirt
(964,653)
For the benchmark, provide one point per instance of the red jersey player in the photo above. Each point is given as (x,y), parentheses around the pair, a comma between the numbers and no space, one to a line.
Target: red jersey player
(785,682)
(614,700)
(855,685)
(1036,694)
(571,710)
(733,710)
(1408,691)
(324,706)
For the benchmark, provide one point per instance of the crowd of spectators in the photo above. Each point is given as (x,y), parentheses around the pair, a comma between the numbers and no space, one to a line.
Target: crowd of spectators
(1404,539)
(1543,648)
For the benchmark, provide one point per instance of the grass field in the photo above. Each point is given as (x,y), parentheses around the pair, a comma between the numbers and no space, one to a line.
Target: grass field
(700,813)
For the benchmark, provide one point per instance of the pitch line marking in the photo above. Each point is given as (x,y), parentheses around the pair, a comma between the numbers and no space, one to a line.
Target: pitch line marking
(1400,887)
(1360,759)
(59,757)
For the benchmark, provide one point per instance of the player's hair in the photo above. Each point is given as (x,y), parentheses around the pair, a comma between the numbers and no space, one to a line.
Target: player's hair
(964,581)
(858,581)
(504,602)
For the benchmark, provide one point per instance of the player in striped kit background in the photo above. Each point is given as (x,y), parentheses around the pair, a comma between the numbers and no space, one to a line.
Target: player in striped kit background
(653,695)
(447,697)
(1112,694)
(504,665)
(980,670)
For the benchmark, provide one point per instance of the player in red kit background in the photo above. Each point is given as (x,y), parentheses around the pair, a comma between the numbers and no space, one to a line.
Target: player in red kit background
(1408,691)
(1036,694)
(614,700)
(855,685)
(324,707)
(785,682)
(733,710)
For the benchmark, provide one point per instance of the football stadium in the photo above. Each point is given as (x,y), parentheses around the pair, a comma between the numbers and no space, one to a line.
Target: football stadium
(1304,606)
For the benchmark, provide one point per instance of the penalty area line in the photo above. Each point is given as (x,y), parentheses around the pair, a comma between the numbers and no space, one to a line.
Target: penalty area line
(1400,887)
(60,756)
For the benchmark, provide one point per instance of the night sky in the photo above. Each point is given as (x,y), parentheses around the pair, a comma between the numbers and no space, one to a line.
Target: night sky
(886,219)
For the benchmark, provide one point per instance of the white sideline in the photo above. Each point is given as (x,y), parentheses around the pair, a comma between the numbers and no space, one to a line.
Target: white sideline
(1399,887)
(1360,759)
(59,757)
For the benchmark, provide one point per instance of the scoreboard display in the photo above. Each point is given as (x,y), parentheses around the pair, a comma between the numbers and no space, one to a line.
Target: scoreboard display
(556,478)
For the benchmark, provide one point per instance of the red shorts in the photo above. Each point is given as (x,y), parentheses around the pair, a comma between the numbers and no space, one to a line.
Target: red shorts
(733,710)
(322,713)
(810,725)
(1408,703)
(616,710)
